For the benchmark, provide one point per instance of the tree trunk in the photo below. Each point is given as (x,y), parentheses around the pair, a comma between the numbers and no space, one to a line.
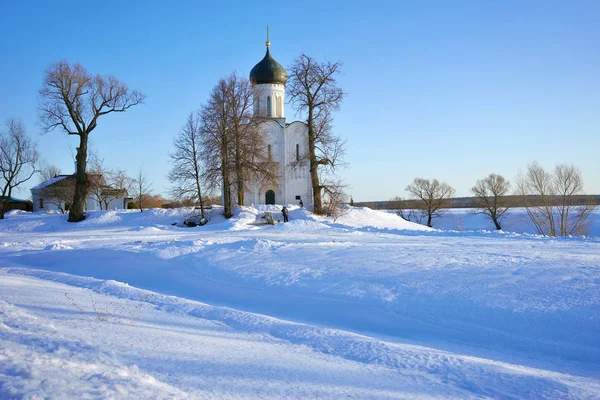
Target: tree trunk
(81,183)
(314,165)
(227,209)
(240,190)
(5,201)
(429,219)
(200,196)
(498,227)
(239,169)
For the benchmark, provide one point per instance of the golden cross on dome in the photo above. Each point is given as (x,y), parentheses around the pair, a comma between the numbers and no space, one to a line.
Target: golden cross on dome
(268,43)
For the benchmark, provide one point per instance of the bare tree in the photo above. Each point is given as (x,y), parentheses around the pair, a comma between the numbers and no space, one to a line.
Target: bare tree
(186,172)
(334,199)
(250,161)
(432,195)
(490,199)
(18,158)
(232,147)
(96,183)
(60,193)
(551,200)
(572,218)
(48,171)
(215,152)
(73,100)
(408,210)
(313,89)
(141,187)
(105,184)
(118,179)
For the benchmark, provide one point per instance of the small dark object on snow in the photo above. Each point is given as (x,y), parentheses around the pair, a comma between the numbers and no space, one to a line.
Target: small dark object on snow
(195,219)
(284,211)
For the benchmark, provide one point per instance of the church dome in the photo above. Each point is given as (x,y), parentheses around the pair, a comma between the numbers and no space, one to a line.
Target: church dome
(268,71)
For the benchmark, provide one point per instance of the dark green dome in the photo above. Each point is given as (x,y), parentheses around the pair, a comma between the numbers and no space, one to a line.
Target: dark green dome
(268,71)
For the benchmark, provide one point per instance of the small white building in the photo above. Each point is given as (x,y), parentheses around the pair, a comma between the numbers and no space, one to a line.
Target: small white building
(56,194)
(286,142)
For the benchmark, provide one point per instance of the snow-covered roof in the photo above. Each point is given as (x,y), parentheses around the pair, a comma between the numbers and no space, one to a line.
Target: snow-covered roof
(50,182)
(14,199)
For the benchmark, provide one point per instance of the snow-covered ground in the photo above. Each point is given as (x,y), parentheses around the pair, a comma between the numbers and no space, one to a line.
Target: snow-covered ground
(126,305)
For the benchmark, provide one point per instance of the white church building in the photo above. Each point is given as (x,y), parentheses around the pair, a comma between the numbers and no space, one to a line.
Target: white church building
(286,142)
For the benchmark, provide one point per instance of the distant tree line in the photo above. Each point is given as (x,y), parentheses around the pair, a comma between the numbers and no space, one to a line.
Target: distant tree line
(554,201)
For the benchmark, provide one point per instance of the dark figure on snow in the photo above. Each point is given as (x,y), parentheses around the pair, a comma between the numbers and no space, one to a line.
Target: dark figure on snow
(301,203)
(284,211)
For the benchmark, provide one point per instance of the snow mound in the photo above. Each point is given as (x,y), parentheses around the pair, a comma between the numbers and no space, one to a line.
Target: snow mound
(363,217)
(16,212)
(242,218)
(101,218)
(58,246)
(29,225)
(302,225)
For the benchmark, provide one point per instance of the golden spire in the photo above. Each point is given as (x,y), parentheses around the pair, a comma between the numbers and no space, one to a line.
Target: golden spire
(268,43)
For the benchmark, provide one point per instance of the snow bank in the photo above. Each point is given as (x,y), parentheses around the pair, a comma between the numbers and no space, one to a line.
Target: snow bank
(361,217)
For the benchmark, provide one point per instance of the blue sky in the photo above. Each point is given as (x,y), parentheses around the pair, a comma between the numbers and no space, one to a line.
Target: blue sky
(447,90)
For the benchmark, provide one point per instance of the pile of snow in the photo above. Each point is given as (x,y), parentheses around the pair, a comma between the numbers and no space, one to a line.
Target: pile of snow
(362,217)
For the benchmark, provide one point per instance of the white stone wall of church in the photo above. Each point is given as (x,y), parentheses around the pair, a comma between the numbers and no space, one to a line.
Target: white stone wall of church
(297,178)
(261,94)
(273,134)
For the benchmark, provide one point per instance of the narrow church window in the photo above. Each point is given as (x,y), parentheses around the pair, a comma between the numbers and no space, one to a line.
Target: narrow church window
(279,103)
(41,203)
(297,152)
(269,110)
(269,151)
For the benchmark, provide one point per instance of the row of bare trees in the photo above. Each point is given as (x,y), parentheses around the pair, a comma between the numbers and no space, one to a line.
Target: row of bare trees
(221,148)
(551,199)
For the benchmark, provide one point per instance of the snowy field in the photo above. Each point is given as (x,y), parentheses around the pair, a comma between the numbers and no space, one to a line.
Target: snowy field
(127,305)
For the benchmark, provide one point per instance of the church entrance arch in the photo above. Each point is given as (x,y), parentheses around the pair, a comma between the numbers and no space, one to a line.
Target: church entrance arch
(270,197)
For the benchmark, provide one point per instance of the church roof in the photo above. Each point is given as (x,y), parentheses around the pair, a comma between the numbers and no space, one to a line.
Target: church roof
(268,71)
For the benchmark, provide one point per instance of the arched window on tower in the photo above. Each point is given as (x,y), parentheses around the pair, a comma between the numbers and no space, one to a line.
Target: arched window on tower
(297,152)
(269,152)
(269,109)
(279,106)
